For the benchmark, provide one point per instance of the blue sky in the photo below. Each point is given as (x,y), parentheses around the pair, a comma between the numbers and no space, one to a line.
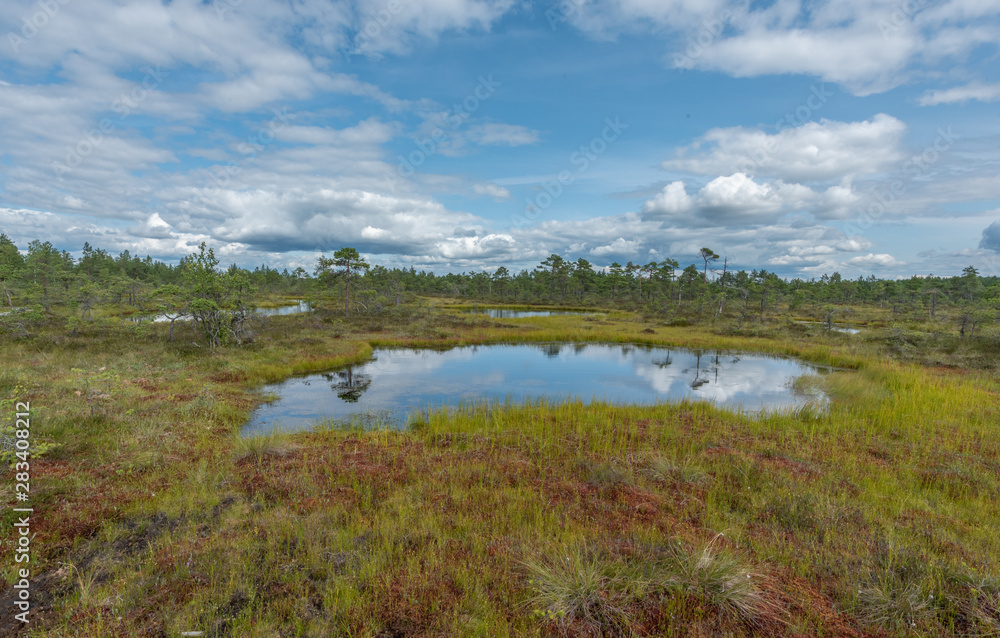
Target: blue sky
(800,137)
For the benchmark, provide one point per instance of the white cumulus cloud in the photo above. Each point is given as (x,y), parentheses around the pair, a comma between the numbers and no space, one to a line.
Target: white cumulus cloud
(738,199)
(672,199)
(492,190)
(974,91)
(881,260)
(821,150)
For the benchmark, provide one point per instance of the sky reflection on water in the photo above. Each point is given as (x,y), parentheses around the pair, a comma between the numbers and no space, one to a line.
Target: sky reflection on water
(400,381)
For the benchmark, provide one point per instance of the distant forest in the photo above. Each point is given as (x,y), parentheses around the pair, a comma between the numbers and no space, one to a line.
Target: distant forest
(44,281)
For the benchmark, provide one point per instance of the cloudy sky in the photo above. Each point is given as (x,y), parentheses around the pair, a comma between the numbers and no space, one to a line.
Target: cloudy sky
(858,136)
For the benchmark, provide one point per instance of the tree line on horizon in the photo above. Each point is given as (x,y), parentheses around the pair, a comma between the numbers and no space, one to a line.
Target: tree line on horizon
(35,281)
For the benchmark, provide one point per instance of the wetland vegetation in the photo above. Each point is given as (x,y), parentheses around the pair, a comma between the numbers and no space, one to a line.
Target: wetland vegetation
(154,515)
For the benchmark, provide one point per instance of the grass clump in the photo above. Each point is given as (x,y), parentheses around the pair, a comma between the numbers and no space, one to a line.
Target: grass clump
(578,593)
(254,449)
(604,475)
(893,605)
(717,580)
(666,470)
(86,581)
(977,603)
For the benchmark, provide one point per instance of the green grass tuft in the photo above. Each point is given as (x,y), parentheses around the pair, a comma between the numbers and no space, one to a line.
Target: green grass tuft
(576,591)
(717,579)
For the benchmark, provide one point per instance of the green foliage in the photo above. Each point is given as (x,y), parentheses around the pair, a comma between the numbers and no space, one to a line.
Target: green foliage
(47,284)
(17,321)
(349,261)
(708,255)
(221,303)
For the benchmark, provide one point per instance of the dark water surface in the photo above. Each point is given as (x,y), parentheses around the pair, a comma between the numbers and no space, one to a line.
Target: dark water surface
(398,382)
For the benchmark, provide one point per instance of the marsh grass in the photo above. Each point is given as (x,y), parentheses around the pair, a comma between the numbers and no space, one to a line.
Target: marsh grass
(440,528)
(604,475)
(256,448)
(717,579)
(892,605)
(578,592)
(981,605)
(371,420)
(86,582)
(661,468)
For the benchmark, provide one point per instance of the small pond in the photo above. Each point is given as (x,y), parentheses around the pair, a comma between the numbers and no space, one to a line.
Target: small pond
(507,313)
(297,306)
(398,382)
(836,327)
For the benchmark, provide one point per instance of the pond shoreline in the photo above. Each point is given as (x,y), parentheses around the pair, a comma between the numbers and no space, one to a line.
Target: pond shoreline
(622,373)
